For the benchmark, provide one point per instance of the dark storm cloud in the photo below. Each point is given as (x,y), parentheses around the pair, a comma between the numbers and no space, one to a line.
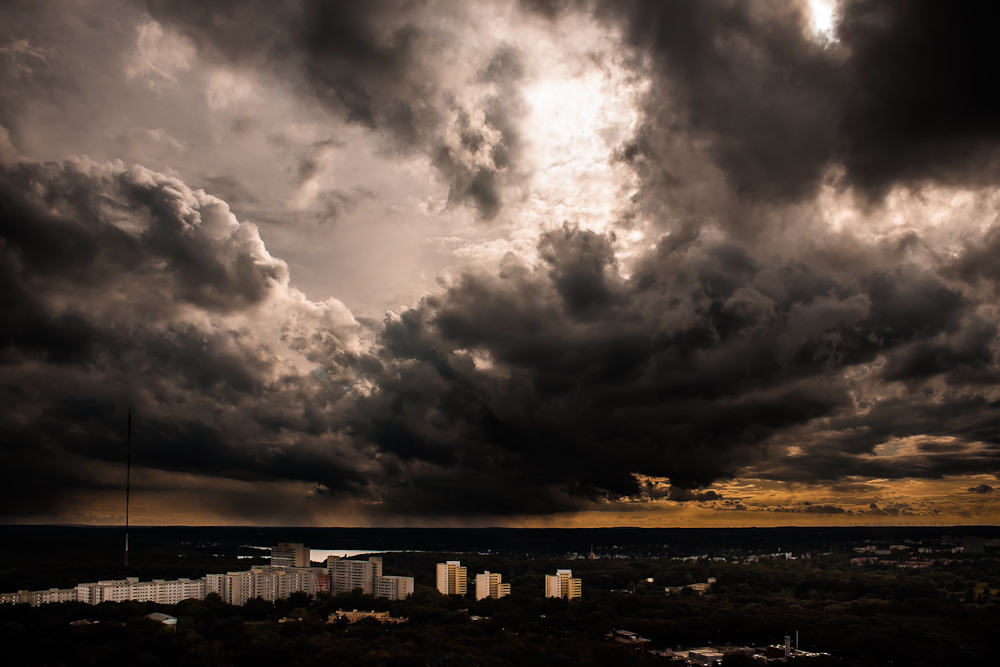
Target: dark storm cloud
(373,63)
(820,509)
(685,371)
(966,357)
(117,287)
(928,433)
(534,388)
(62,253)
(905,95)
(981,489)
(923,104)
(978,263)
(685,495)
(746,75)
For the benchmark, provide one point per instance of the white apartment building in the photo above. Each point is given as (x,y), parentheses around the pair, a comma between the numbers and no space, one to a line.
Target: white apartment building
(562,585)
(290,555)
(233,587)
(394,588)
(192,589)
(236,588)
(85,593)
(489,585)
(266,582)
(274,583)
(172,592)
(346,574)
(119,590)
(59,595)
(213,584)
(302,580)
(451,578)
(239,588)
(107,590)
(35,598)
(146,591)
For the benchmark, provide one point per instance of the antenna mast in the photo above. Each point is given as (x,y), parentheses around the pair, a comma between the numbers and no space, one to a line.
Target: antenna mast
(128,479)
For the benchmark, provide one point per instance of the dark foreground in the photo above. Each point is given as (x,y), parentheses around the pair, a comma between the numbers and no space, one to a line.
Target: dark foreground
(877,614)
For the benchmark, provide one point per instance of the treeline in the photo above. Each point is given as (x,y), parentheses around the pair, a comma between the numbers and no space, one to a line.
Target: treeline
(862,616)
(827,577)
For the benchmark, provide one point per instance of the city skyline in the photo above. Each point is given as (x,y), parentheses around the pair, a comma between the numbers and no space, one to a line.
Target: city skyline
(290,571)
(527,263)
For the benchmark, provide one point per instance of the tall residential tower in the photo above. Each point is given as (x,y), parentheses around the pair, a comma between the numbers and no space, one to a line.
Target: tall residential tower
(290,555)
(488,585)
(562,585)
(451,579)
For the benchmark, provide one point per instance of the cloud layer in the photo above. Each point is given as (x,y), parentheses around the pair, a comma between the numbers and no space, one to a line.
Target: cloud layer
(379,64)
(798,285)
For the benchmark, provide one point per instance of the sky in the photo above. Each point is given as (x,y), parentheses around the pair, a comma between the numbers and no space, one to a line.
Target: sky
(505,263)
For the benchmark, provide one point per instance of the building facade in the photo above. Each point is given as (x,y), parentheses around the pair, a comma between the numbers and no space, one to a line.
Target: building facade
(35,598)
(563,585)
(308,580)
(290,555)
(159,590)
(346,574)
(236,588)
(451,578)
(489,585)
(233,587)
(394,588)
(266,582)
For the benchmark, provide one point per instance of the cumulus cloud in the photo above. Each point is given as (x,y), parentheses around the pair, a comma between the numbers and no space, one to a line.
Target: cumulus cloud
(540,388)
(746,77)
(124,287)
(158,56)
(593,377)
(747,103)
(378,64)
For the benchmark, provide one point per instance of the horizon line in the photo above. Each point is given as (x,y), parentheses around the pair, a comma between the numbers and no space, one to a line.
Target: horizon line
(629,527)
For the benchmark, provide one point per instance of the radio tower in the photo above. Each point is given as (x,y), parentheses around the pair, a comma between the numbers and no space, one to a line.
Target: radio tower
(128,479)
